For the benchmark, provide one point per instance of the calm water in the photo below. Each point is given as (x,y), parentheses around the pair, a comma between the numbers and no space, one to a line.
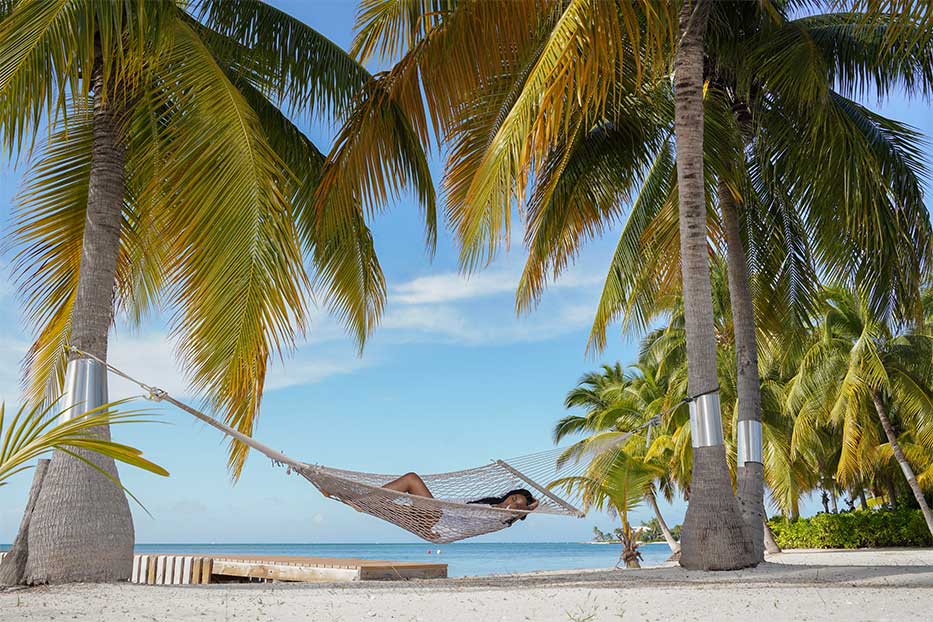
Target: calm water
(463,559)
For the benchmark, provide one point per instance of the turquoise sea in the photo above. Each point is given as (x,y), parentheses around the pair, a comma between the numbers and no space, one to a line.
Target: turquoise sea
(462,559)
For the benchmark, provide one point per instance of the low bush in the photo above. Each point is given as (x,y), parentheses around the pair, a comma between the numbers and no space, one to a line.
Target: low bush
(853,530)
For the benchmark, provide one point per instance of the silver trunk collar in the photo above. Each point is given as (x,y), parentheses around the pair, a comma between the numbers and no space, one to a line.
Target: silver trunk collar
(748,442)
(85,388)
(705,421)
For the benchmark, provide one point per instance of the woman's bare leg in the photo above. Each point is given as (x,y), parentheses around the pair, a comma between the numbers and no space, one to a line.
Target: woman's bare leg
(410,483)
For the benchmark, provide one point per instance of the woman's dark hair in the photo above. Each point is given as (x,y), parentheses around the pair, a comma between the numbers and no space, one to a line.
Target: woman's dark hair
(529,499)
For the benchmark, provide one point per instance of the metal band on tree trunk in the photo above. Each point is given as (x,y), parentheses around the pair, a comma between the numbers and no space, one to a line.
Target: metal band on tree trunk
(705,420)
(748,442)
(85,388)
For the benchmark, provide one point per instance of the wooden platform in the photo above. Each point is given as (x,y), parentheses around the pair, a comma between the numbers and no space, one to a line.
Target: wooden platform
(200,569)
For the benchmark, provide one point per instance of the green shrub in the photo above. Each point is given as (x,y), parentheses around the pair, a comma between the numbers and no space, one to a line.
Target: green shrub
(853,530)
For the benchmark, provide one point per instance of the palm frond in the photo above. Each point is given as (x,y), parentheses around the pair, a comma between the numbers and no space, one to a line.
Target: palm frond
(34,431)
(237,280)
(294,64)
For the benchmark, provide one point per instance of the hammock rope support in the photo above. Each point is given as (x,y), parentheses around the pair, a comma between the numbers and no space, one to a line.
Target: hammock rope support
(450,515)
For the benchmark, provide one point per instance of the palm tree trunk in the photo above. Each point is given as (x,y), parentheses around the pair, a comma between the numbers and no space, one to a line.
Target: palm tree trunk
(630,554)
(902,461)
(13,565)
(771,544)
(832,500)
(81,529)
(861,498)
(749,468)
(824,497)
(668,536)
(714,534)
(892,491)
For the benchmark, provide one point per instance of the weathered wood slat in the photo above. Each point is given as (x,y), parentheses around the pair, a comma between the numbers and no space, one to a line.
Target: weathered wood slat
(206,570)
(186,571)
(196,570)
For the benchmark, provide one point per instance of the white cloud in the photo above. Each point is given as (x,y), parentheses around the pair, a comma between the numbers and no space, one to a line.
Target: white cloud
(12,350)
(150,359)
(444,307)
(450,324)
(452,286)
(309,367)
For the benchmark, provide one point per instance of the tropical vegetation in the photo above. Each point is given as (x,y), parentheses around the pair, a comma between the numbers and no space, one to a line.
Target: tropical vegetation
(846,408)
(857,529)
(174,178)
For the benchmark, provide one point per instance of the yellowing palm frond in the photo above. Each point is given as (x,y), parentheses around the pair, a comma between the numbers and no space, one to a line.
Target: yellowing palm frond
(588,52)
(237,275)
(35,431)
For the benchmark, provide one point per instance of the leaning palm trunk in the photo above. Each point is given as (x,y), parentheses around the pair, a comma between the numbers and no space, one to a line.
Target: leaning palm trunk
(749,468)
(902,460)
(668,536)
(81,528)
(771,544)
(630,555)
(714,536)
(13,565)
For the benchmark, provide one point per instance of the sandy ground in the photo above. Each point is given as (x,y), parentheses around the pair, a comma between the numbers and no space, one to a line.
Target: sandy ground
(797,585)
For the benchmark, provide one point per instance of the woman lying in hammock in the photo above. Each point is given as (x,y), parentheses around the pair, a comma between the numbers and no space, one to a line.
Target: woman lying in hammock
(518,499)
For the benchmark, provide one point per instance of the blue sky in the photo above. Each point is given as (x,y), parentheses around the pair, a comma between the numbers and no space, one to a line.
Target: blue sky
(451,379)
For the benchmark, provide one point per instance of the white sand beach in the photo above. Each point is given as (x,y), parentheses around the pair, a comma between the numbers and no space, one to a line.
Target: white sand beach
(797,585)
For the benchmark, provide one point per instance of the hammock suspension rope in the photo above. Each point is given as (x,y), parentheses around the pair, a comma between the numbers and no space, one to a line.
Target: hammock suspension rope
(451,515)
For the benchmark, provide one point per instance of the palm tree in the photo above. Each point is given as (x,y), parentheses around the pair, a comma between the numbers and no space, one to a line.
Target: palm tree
(715,537)
(36,431)
(861,370)
(775,194)
(498,134)
(172,178)
(617,487)
(614,402)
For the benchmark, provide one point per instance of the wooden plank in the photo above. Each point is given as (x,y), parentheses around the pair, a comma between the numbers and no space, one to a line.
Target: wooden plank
(169,569)
(186,571)
(206,570)
(179,567)
(144,568)
(160,571)
(331,562)
(134,575)
(283,572)
(194,570)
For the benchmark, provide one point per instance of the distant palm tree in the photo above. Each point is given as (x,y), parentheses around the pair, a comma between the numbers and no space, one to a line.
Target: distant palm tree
(173,179)
(861,370)
(615,402)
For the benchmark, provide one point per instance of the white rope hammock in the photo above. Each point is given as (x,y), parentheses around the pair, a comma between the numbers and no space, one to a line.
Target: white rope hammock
(452,514)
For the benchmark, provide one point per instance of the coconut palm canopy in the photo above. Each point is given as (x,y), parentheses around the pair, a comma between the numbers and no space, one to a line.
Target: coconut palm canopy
(225,225)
